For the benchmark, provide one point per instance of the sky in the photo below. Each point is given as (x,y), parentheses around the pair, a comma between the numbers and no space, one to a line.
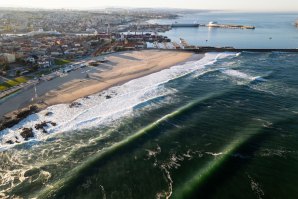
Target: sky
(241,5)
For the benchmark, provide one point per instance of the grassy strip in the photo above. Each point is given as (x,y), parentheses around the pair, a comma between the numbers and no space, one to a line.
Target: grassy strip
(61,62)
(12,83)
(2,88)
(21,79)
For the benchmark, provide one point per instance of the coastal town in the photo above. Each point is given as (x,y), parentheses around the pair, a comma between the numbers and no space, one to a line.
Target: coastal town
(41,50)
(39,46)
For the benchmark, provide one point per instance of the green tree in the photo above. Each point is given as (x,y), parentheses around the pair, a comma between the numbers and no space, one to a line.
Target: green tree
(6,67)
(21,61)
(35,67)
(18,73)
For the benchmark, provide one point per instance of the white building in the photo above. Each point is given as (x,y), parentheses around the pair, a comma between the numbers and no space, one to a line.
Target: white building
(7,58)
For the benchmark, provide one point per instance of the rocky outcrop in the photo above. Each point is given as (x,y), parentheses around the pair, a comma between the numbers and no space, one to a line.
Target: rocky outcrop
(49,113)
(27,133)
(17,116)
(9,142)
(26,112)
(13,141)
(42,126)
(8,122)
(75,105)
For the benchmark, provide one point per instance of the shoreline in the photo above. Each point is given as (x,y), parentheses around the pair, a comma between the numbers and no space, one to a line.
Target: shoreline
(126,66)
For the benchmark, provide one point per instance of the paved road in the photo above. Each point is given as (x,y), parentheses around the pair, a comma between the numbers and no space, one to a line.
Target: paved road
(24,97)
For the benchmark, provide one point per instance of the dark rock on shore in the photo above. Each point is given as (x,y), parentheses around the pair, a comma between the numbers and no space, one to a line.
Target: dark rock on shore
(17,116)
(13,141)
(8,122)
(9,142)
(44,125)
(49,113)
(75,105)
(27,133)
(41,126)
(27,112)
(108,97)
(53,123)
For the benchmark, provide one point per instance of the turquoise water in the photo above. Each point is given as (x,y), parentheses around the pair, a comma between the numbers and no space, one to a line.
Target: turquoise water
(228,131)
(273,30)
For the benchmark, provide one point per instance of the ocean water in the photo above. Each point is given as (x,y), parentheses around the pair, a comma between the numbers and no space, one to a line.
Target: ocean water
(273,30)
(225,126)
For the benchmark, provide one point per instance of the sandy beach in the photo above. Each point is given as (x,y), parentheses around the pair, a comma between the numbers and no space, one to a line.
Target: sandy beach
(119,69)
(125,67)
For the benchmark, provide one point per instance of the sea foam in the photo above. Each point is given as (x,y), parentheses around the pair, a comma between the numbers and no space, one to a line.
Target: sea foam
(240,75)
(107,106)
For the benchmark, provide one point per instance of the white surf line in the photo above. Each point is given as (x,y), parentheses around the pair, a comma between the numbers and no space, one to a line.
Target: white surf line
(208,59)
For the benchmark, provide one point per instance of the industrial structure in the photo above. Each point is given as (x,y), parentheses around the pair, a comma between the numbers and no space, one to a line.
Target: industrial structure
(214,24)
(185,25)
(211,24)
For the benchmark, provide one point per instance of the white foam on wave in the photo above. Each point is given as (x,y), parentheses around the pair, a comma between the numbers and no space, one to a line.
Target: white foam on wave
(214,154)
(106,106)
(238,54)
(240,75)
(218,57)
(256,187)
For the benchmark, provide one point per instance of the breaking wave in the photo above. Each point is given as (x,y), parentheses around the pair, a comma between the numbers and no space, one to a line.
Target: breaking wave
(107,106)
(240,75)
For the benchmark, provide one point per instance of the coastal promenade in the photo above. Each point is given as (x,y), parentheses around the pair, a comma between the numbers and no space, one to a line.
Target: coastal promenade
(23,97)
